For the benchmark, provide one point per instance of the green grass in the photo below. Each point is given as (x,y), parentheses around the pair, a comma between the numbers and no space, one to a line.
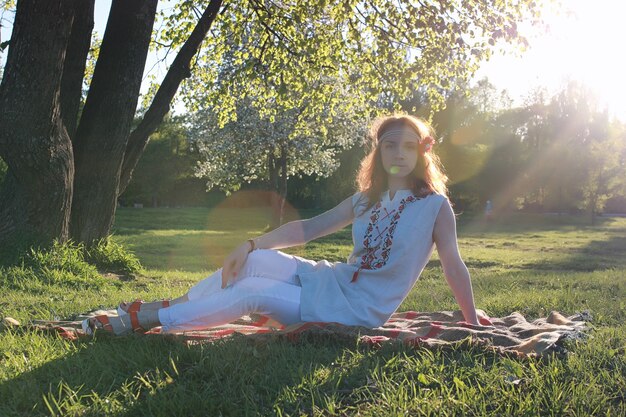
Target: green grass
(530,264)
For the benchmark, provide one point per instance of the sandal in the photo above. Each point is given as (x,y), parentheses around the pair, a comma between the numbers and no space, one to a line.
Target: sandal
(92,324)
(101,323)
(136,306)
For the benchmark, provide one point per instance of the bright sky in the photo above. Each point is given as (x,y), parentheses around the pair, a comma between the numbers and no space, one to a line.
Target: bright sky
(583,44)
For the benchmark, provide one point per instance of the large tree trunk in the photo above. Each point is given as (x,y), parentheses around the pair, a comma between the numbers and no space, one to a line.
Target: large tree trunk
(50,53)
(105,123)
(178,71)
(75,62)
(36,195)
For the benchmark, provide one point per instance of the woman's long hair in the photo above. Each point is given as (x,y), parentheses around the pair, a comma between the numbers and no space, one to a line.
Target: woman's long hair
(428,176)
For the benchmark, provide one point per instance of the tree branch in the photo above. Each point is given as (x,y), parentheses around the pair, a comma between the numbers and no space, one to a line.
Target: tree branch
(281,38)
(178,71)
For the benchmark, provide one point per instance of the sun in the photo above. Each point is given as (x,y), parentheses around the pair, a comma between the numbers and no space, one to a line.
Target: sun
(587,47)
(582,43)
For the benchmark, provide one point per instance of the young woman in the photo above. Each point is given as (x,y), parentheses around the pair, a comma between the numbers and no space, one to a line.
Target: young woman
(400,213)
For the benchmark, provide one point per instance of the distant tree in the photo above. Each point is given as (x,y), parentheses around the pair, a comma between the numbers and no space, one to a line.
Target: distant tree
(602,160)
(257,148)
(465,128)
(165,173)
(567,154)
(502,174)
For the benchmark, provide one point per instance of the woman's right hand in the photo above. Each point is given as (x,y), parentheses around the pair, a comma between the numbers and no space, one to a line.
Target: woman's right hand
(234,261)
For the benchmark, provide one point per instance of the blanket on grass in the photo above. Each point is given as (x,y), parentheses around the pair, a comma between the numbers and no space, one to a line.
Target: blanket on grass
(509,335)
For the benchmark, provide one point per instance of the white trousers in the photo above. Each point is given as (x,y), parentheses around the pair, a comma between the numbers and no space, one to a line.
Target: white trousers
(267,284)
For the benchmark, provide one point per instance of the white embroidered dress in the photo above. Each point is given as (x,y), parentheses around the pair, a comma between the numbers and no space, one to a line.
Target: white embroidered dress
(392,244)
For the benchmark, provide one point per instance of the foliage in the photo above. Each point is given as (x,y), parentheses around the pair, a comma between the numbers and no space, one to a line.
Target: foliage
(63,264)
(90,64)
(572,151)
(604,162)
(5,6)
(546,155)
(110,256)
(559,153)
(66,257)
(277,54)
(549,154)
(318,192)
(69,265)
(165,173)
(252,147)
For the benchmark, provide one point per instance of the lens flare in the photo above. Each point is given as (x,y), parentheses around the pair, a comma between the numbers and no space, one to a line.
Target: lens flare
(242,216)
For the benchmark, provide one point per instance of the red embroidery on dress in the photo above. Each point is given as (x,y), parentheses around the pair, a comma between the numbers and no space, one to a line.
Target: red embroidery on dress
(371,260)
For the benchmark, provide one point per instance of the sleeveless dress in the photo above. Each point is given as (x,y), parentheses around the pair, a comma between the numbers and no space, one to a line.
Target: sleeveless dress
(392,244)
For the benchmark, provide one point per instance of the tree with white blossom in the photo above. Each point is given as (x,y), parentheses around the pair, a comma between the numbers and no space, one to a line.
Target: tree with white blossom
(260,147)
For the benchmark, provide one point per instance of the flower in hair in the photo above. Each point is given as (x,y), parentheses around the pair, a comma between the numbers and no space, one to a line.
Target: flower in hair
(426,144)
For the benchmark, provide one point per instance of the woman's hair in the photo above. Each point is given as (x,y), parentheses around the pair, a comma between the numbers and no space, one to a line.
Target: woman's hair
(428,176)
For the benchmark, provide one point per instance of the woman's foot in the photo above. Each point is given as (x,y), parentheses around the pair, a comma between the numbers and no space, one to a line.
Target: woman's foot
(137,322)
(139,305)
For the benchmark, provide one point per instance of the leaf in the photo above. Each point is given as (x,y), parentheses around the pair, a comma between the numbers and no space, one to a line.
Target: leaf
(422,379)
(459,384)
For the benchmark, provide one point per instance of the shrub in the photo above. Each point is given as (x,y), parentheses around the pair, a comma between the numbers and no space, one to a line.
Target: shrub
(109,256)
(69,265)
(60,265)
(66,257)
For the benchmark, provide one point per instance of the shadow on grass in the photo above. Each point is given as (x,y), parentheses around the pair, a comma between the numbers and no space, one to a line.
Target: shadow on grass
(470,224)
(598,255)
(159,376)
(156,376)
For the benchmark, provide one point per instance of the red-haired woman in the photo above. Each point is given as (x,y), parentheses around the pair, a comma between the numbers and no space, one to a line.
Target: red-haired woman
(398,215)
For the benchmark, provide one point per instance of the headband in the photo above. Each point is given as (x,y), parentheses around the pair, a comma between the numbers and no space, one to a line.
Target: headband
(425,145)
(400,132)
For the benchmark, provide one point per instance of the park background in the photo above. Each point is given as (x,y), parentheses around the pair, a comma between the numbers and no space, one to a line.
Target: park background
(538,127)
(271,128)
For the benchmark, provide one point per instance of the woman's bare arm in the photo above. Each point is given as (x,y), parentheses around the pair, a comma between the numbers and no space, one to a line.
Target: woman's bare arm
(454,268)
(300,232)
(290,234)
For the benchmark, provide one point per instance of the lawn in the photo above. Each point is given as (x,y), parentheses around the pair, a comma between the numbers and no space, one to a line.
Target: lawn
(531,264)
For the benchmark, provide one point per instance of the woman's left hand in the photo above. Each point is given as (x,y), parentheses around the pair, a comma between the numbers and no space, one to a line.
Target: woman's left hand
(233,262)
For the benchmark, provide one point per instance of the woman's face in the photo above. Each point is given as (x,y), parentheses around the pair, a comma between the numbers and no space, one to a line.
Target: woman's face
(399,152)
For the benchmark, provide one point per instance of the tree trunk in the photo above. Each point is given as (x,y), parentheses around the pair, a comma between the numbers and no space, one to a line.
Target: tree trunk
(48,173)
(36,195)
(593,211)
(74,64)
(273,175)
(278,186)
(178,71)
(282,191)
(105,123)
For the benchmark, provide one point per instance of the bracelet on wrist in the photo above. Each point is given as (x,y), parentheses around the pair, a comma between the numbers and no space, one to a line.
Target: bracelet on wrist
(252,245)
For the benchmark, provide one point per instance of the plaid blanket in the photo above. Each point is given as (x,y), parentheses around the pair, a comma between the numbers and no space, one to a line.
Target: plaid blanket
(509,335)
